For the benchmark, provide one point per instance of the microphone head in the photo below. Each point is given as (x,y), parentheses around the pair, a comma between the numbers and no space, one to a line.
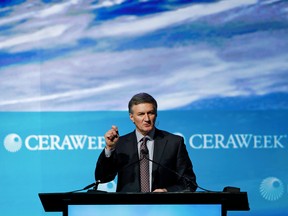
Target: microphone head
(89,186)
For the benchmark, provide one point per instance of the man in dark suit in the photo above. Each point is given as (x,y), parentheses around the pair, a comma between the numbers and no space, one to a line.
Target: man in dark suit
(168,163)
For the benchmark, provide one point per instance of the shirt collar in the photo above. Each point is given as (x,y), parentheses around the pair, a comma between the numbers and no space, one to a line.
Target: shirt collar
(140,136)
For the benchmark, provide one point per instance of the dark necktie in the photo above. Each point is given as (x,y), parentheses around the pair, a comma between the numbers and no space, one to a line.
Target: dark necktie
(144,167)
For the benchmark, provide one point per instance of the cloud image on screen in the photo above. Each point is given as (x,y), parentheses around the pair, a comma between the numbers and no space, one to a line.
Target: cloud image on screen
(82,55)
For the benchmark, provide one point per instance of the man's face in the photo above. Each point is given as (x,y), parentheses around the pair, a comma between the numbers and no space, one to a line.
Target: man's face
(144,117)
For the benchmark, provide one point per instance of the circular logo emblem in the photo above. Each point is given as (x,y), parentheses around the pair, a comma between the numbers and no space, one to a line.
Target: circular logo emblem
(271,188)
(109,187)
(12,142)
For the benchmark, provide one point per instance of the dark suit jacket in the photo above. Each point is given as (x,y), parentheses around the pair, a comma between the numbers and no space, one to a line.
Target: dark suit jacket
(169,151)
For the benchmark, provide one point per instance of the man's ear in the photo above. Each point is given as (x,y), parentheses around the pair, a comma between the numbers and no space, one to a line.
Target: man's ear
(131,117)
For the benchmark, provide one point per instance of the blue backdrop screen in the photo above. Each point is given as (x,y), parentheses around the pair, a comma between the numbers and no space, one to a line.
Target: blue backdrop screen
(57,152)
(218,69)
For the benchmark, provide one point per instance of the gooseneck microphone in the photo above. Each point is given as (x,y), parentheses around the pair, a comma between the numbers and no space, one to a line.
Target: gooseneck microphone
(94,185)
(188,181)
(91,185)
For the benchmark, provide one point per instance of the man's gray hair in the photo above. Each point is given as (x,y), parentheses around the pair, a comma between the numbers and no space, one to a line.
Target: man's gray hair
(142,98)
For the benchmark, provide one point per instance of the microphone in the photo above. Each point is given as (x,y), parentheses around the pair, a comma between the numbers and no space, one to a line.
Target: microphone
(94,185)
(91,185)
(130,164)
(187,181)
(104,180)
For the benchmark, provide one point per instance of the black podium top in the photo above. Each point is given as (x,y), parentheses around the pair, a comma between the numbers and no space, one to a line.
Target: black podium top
(58,202)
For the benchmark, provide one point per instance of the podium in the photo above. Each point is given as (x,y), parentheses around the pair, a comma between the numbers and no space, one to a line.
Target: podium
(227,201)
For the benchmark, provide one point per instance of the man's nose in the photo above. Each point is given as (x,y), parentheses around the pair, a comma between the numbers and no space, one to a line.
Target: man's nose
(146,117)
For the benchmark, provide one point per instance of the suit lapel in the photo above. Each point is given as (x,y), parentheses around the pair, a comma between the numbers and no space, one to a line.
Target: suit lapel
(132,143)
(159,146)
(133,172)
